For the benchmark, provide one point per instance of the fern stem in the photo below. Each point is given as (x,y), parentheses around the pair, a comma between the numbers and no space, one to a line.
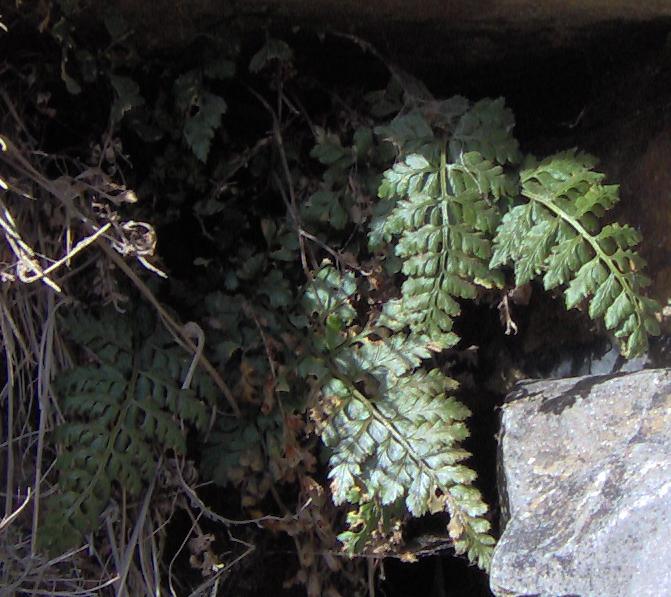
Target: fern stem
(446,216)
(600,253)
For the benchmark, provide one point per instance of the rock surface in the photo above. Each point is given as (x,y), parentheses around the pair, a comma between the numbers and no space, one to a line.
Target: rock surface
(585,481)
(454,34)
(457,13)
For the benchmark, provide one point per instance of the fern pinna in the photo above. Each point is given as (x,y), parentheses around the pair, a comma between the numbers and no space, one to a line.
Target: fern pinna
(122,412)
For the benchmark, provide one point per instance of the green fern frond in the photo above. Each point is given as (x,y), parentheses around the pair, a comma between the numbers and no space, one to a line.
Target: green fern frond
(402,445)
(393,431)
(443,217)
(121,415)
(557,234)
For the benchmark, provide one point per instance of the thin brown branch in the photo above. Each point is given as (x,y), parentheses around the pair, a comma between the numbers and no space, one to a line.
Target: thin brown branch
(291,204)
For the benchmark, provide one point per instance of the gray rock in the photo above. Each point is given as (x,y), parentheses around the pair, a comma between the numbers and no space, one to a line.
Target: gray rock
(585,482)
(606,363)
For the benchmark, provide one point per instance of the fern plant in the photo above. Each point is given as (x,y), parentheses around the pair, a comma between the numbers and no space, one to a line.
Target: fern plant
(449,203)
(456,207)
(122,412)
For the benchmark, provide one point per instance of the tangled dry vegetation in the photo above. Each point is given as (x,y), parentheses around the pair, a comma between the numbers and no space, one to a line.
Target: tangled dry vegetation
(61,232)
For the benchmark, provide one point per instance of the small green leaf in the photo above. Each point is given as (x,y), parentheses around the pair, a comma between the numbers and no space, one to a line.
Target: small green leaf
(604,297)
(277,289)
(274,50)
(127,96)
(329,151)
(509,236)
(620,308)
(330,293)
(199,129)
(325,207)
(565,258)
(534,250)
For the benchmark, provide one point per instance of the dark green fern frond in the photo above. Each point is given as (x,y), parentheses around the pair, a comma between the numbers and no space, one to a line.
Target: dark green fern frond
(121,415)
(487,129)
(402,445)
(557,234)
(393,431)
(110,344)
(409,132)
